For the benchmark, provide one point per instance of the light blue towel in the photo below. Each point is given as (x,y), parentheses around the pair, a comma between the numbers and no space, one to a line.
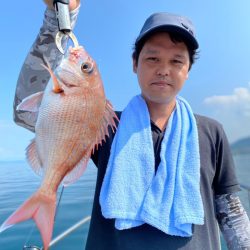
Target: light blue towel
(133,194)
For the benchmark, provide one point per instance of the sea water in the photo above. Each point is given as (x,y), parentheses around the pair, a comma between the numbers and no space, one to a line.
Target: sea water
(18,182)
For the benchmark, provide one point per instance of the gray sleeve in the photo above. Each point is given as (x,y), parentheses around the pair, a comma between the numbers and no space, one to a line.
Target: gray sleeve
(233,221)
(33,77)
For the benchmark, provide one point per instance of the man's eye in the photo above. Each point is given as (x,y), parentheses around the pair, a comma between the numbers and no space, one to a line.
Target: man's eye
(152,59)
(177,61)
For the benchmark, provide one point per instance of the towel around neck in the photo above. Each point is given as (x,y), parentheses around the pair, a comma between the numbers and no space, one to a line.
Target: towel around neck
(133,194)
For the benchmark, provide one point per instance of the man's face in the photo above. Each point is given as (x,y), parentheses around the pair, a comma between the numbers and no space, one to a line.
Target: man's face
(162,68)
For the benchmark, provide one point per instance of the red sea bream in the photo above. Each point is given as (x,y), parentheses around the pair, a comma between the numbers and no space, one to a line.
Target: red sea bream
(73,119)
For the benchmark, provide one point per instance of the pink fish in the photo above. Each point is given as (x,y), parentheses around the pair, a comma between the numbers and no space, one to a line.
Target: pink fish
(73,119)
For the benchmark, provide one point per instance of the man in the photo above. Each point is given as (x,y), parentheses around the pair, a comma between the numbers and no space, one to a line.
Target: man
(200,182)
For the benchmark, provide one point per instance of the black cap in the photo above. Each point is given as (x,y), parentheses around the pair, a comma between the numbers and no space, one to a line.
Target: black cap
(169,22)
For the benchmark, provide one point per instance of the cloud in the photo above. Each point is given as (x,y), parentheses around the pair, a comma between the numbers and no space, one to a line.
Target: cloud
(233,111)
(238,102)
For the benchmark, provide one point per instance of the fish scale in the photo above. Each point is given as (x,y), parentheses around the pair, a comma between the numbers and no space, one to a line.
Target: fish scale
(59,131)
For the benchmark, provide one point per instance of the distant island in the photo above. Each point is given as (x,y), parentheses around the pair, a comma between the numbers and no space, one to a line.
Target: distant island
(241,146)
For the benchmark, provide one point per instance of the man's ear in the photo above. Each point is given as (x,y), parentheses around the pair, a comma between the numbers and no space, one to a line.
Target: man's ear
(134,66)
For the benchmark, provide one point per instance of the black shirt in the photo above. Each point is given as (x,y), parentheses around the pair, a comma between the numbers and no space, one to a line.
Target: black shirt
(157,136)
(217,177)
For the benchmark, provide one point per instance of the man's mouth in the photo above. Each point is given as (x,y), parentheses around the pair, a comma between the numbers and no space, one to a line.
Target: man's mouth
(161,83)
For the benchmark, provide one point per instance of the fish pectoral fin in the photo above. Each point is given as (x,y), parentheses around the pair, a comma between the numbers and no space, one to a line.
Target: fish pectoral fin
(56,85)
(31,103)
(107,120)
(41,209)
(33,158)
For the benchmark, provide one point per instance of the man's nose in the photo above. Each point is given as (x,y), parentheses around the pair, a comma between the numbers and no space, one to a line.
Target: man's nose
(163,69)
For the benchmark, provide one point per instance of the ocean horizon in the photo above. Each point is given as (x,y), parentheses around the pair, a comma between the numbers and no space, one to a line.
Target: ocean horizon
(18,182)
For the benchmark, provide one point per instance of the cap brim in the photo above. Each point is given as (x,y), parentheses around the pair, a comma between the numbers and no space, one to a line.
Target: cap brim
(172,28)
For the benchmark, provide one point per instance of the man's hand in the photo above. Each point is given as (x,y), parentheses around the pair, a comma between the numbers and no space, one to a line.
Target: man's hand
(72,4)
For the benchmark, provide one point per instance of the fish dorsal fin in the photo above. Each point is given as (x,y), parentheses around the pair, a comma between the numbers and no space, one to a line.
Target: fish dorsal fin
(31,103)
(33,158)
(77,171)
(107,120)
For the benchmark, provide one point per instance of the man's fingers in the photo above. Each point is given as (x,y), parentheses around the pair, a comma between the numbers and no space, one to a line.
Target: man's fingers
(73,4)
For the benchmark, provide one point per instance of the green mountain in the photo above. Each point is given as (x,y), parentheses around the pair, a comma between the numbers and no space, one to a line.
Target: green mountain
(241,146)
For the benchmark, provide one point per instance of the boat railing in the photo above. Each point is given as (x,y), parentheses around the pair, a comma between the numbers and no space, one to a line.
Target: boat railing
(68,231)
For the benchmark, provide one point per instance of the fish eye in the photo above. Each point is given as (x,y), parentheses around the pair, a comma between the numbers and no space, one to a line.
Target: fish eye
(87,67)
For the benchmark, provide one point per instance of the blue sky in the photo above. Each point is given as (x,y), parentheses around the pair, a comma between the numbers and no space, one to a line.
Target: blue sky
(218,84)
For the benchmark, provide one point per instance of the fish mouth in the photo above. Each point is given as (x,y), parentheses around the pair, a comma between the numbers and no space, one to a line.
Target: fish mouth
(66,83)
(68,77)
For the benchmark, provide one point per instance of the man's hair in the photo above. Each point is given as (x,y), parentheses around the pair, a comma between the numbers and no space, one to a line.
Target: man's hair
(175,38)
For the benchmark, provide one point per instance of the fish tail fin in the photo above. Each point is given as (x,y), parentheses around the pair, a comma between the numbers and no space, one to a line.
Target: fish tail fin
(41,209)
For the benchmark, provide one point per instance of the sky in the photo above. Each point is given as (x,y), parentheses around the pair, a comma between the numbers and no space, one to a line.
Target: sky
(218,84)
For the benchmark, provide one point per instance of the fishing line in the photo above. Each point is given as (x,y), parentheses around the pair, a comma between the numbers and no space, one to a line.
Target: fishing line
(26,247)
(28,237)
(58,203)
